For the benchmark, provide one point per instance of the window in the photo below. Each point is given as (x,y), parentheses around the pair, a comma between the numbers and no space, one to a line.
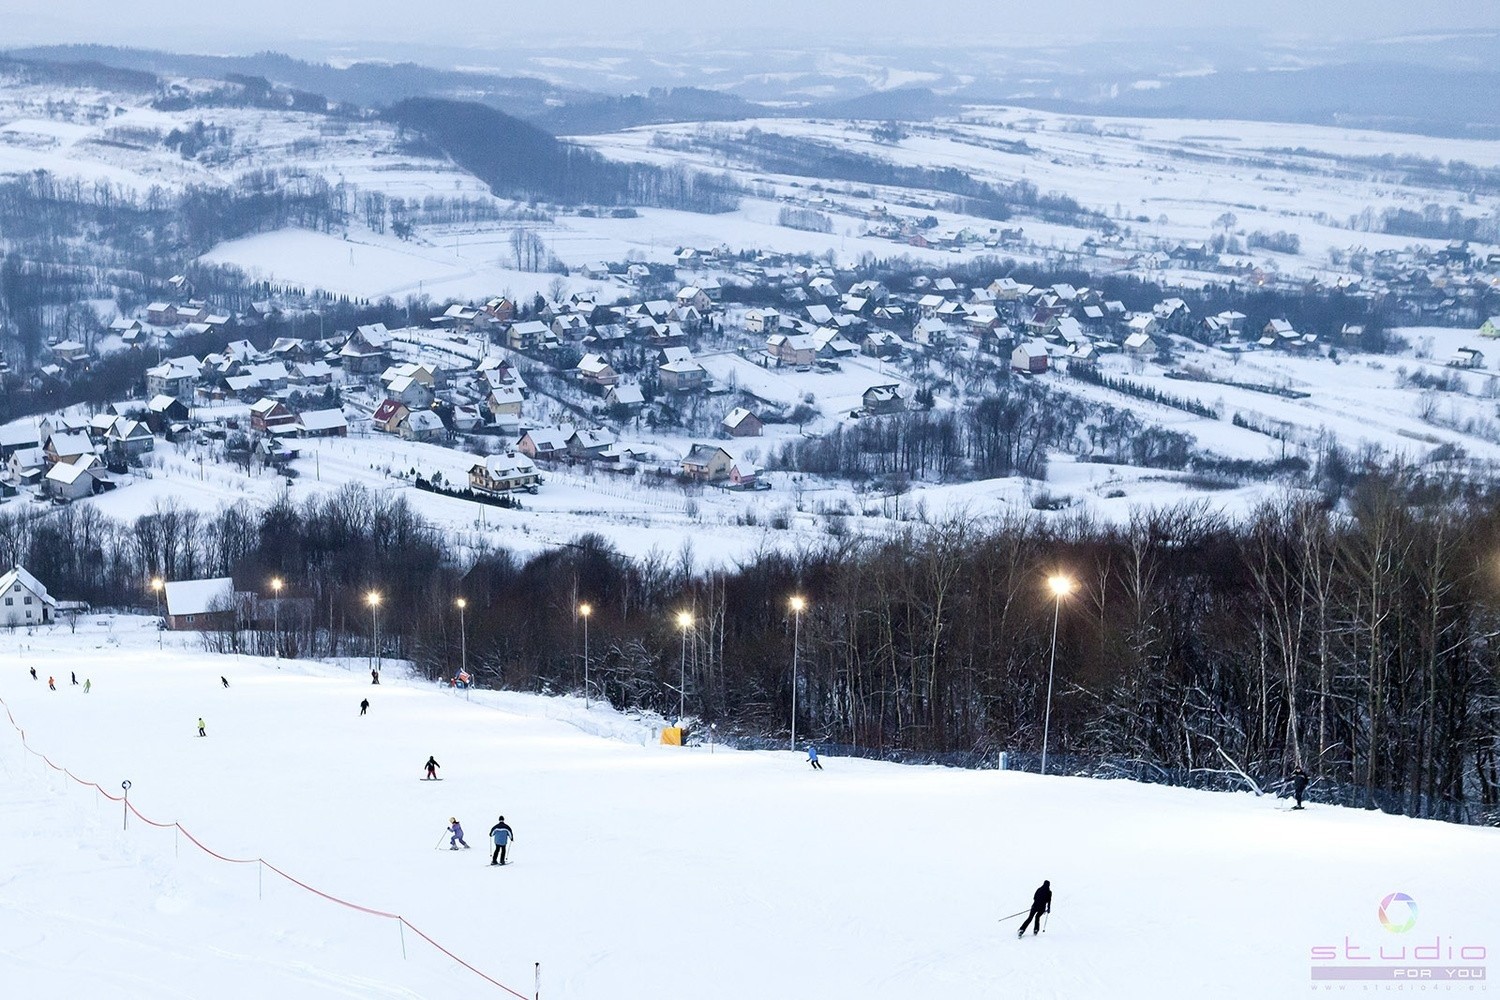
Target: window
(28,598)
(9,601)
(28,614)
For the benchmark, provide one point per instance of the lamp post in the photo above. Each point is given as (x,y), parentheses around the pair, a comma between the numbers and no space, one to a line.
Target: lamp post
(157,583)
(797,604)
(1061,586)
(276,616)
(584,610)
(685,622)
(463,639)
(373,599)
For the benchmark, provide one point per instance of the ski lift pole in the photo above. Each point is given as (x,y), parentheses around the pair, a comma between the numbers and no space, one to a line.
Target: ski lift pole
(126,800)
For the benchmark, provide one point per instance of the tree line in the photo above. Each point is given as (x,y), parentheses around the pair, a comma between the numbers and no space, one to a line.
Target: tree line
(1356,641)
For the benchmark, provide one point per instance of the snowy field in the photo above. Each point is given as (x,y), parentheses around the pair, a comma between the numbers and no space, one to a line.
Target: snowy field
(638,869)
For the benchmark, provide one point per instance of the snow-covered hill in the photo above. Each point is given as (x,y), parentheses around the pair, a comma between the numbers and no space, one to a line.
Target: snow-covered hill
(638,869)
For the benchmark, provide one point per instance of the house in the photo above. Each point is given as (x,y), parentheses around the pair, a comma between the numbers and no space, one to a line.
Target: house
(323,423)
(26,601)
(528,336)
(882,399)
(1030,356)
(390,415)
(69,352)
(16,437)
(695,297)
(68,447)
(589,444)
(505,401)
(682,376)
(792,349)
(1139,344)
(1280,329)
(500,309)
(74,481)
(267,414)
(545,442)
(161,314)
(707,463)
(629,396)
(410,390)
(311,373)
(26,465)
(129,438)
(175,377)
(201,604)
(883,344)
(1490,327)
(743,474)
(930,332)
(367,351)
(762,321)
(594,370)
(740,422)
(421,425)
(504,473)
(1466,357)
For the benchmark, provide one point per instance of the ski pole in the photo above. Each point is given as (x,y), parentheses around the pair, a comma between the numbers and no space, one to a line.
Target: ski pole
(440,840)
(1015,915)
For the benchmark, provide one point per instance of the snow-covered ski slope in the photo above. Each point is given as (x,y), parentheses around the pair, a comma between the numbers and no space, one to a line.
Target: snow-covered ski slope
(639,870)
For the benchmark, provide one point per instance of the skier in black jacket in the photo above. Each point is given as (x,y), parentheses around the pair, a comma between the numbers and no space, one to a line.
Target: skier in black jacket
(1299,786)
(1041,902)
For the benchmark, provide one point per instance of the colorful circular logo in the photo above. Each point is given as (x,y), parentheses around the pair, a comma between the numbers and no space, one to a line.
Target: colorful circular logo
(1398,913)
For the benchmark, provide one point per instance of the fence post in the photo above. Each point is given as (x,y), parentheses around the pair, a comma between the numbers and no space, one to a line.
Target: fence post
(1002,760)
(538,994)
(402,924)
(125,802)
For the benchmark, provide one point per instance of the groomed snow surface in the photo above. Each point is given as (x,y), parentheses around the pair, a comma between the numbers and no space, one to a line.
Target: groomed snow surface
(639,870)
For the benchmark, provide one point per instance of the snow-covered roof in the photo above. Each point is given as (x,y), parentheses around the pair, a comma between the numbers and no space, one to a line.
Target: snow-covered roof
(71,444)
(19,575)
(322,420)
(200,597)
(737,416)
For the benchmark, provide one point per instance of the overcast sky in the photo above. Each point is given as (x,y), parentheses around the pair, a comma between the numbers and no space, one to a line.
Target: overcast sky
(304,26)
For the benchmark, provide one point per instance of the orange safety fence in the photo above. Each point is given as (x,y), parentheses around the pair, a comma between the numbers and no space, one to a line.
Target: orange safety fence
(253,861)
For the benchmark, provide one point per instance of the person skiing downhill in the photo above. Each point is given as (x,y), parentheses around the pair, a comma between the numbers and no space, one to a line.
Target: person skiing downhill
(1299,786)
(86,685)
(1041,902)
(456,828)
(432,765)
(51,683)
(501,834)
(33,673)
(201,730)
(75,677)
(224,681)
(812,758)
(364,706)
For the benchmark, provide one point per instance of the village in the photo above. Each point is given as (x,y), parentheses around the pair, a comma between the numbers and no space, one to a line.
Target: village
(682,375)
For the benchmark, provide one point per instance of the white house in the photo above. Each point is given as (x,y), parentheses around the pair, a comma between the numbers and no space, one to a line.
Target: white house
(26,601)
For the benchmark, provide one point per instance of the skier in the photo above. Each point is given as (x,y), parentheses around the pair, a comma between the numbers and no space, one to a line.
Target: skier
(456,828)
(1041,902)
(812,758)
(374,676)
(33,673)
(201,730)
(364,706)
(501,834)
(432,765)
(224,681)
(51,683)
(86,685)
(1299,786)
(74,674)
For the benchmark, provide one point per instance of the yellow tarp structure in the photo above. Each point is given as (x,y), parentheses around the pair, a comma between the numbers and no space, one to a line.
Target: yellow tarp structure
(672,736)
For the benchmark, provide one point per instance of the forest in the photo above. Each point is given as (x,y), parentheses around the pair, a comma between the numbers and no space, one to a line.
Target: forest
(1354,639)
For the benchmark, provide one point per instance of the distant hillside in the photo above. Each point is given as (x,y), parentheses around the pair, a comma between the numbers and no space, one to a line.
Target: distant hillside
(363,84)
(906,104)
(82,73)
(519,160)
(659,106)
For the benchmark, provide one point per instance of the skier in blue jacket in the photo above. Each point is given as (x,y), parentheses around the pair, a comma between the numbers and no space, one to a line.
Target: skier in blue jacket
(501,834)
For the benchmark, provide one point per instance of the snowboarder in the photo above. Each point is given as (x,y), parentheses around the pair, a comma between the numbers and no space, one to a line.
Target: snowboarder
(1299,786)
(501,834)
(432,765)
(812,758)
(51,683)
(74,675)
(224,681)
(33,673)
(456,828)
(86,685)
(374,676)
(1041,902)
(201,730)
(364,706)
